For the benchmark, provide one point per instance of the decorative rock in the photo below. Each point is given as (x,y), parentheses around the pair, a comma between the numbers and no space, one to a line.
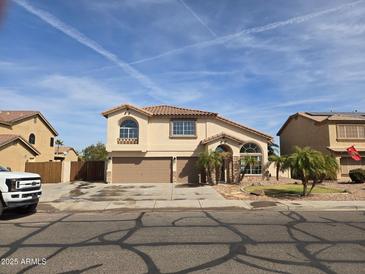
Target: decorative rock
(258,192)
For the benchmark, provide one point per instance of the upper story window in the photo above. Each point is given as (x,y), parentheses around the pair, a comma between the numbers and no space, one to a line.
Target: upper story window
(51,142)
(350,131)
(31,139)
(183,128)
(251,159)
(128,132)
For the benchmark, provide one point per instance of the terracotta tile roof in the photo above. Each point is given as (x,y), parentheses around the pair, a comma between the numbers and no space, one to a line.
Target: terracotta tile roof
(165,110)
(235,124)
(321,117)
(219,136)
(125,106)
(8,138)
(10,116)
(177,111)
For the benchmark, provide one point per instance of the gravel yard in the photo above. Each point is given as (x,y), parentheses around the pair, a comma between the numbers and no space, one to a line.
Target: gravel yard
(354,191)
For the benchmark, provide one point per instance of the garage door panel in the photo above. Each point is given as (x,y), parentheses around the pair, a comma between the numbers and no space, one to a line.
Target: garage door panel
(141,170)
(188,170)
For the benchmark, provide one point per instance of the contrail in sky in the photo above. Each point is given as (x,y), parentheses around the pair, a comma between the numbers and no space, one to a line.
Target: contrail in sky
(271,26)
(86,41)
(197,17)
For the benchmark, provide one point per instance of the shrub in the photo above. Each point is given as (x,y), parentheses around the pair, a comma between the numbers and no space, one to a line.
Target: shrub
(357,175)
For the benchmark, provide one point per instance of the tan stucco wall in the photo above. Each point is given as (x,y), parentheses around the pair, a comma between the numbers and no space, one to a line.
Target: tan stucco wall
(304,132)
(42,134)
(71,156)
(155,141)
(15,155)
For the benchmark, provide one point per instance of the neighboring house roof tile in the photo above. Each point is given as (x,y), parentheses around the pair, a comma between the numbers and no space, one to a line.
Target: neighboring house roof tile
(325,116)
(177,111)
(11,117)
(220,136)
(64,149)
(8,138)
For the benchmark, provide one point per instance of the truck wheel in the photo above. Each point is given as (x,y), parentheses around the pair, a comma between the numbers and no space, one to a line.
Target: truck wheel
(1,207)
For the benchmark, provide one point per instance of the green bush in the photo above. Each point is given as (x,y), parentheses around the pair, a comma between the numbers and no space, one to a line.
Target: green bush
(357,175)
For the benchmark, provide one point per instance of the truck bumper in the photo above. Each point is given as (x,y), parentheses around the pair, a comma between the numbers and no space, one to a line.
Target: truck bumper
(18,199)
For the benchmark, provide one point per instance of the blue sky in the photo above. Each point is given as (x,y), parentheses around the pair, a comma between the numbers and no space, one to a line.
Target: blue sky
(253,61)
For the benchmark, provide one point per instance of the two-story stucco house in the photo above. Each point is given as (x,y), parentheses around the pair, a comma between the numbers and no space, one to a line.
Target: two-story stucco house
(25,136)
(161,144)
(328,132)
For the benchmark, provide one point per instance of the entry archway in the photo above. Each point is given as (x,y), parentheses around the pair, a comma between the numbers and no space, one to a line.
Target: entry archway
(226,170)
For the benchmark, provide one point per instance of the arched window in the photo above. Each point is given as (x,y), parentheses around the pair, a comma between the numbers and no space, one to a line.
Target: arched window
(129,132)
(251,159)
(32,138)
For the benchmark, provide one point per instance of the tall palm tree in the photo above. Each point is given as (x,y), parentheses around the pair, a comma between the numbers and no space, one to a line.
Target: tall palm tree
(59,143)
(280,163)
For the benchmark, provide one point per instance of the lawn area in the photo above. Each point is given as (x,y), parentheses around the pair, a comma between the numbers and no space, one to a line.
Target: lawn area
(290,189)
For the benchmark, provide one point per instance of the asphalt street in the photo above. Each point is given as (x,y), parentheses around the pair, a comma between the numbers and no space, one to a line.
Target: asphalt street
(218,241)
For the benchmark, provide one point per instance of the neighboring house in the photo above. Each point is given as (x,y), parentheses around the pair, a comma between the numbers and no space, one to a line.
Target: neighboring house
(161,144)
(26,136)
(64,153)
(328,132)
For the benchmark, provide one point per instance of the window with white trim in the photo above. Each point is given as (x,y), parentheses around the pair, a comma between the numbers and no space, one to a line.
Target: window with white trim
(129,130)
(350,131)
(183,128)
(251,159)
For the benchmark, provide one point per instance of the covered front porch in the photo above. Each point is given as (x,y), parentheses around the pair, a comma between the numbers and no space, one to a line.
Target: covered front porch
(235,154)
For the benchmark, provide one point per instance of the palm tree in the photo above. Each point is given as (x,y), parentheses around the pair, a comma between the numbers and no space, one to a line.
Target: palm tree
(327,169)
(216,161)
(280,163)
(249,161)
(59,143)
(204,161)
(309,164)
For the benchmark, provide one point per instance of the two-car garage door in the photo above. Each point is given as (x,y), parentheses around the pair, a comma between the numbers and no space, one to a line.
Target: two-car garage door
(141,170)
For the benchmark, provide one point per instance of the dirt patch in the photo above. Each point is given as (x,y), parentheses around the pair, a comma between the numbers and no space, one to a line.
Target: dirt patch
(353,192)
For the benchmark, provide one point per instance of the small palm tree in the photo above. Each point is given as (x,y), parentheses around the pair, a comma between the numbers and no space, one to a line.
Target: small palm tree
(327,169)
(280,163)
(309,164)
(249,161)
(204,161)
(59,143)
(216,161)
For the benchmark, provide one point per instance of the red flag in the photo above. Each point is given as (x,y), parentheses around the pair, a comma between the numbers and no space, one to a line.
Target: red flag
(352,151)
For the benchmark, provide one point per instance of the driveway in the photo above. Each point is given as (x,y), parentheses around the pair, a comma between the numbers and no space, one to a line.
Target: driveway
(99,192)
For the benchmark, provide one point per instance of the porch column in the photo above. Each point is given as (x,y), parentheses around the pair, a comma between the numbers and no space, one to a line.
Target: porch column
(236,169)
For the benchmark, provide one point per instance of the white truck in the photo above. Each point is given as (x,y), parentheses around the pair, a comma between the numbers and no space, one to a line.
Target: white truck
(19,190)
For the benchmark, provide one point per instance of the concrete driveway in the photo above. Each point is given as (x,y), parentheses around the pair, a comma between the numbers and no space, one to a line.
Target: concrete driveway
(99,192)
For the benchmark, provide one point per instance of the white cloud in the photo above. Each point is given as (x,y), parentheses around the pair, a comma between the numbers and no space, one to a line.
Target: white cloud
(226,38)
(153,89)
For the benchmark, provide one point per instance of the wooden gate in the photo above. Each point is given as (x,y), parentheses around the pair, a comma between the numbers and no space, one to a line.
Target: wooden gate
(50,171)
(87,171)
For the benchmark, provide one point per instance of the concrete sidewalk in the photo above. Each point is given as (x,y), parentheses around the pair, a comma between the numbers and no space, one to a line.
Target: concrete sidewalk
(85,196)
(204,205)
